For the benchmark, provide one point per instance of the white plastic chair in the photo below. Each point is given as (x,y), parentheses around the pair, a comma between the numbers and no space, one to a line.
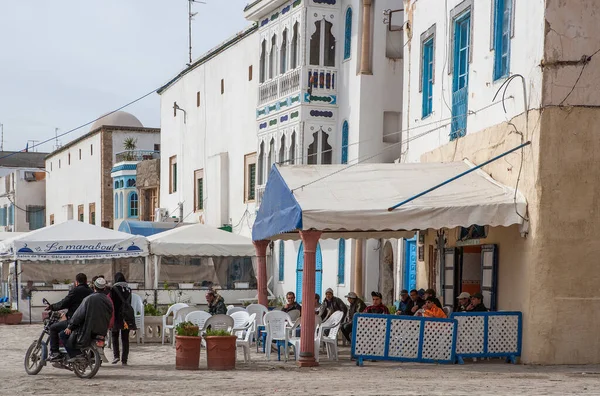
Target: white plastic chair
(295,341)
(447,311)
(219,322)
(230,306)
(179,317)
(240,319)
(294,314)
(235,309)
(276,323)
(169,327)
(419,312)
(138,308)
(198,318)
(246,339)
(260,311)
(330,341)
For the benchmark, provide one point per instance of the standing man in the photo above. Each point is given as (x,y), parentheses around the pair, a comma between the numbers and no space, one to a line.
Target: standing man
(330,305)
(71,302)
(377,307)
(356,305)
(120,294)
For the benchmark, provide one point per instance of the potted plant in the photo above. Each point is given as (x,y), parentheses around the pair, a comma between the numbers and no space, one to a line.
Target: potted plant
(9,316)
(187,346)
(129,144)
(64,285)
(220,350)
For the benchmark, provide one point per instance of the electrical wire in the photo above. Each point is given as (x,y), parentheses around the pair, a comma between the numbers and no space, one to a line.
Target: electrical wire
(585,60)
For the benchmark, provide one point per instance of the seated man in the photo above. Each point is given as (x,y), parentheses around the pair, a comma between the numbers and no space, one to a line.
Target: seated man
(356,305)
(431,293)
(291,303)
(91,319)
(71,302)
(216,303)
(416,303)
(330,305)
(404,304)
(432,310)
(463,302)
(477,303)
(377,307)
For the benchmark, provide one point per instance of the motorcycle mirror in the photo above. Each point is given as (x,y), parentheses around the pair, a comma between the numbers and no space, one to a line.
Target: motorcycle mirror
(45,301)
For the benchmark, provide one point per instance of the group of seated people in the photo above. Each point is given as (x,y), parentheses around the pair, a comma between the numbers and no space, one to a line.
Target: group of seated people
(409,304)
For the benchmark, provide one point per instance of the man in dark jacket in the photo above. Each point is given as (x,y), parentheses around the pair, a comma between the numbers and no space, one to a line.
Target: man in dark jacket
(216,303)
(71,302)
(356,306)
(89,320)
(477,304)
(330,305)
(120,293)
(416,303)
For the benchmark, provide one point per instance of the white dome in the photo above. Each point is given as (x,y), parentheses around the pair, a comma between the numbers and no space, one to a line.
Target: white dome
(118,118)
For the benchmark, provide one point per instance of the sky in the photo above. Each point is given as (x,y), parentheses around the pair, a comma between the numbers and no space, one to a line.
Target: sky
(64,63)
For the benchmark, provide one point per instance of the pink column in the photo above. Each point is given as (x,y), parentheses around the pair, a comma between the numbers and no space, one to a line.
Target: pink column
(261,277)
(307,338)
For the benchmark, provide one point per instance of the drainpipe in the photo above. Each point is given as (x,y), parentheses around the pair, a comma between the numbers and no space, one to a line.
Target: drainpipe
(365,57)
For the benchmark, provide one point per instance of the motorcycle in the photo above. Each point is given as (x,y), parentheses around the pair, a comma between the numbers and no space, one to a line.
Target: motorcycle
(84,366)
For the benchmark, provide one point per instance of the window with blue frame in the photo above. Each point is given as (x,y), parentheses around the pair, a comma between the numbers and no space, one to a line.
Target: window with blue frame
(116,206)
(130,182)
(11,214)
(502,33)
(348,34)
(121,204)
(281,260)
(3,216)
(427,76)
(341,261)
(116,184)
(133,205)
(345,142)
(460,82)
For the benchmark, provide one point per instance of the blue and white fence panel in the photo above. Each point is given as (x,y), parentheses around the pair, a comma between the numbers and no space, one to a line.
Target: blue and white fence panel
(489,334)
(403,338)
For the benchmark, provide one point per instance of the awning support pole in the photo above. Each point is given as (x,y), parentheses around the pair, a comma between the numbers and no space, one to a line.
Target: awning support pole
(458,176)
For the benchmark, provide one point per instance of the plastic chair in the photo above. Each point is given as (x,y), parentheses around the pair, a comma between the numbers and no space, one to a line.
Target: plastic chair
(295,341)
(179,317)
(235,309)
(419,312)
(447,311)
(219,322)
(330,340)
(138,308)
(275,324)
(240,319)
(172,310)
(294,314)
(260,311)
(246,339)
(198,318)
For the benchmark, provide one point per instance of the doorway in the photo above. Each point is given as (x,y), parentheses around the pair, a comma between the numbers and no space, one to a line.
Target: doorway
(300,272)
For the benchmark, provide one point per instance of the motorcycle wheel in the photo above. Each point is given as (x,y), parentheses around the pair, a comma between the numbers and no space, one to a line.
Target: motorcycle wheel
(33,359)
(88,365)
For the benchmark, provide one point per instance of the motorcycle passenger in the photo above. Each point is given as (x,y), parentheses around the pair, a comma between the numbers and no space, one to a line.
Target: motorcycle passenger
(91,319)
(71,302)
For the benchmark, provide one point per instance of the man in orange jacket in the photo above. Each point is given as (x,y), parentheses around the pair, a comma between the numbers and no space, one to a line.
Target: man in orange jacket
(432,310)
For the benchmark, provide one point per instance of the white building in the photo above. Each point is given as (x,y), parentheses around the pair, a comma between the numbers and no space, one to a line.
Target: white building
(79,183)
(22,191)
(315,82)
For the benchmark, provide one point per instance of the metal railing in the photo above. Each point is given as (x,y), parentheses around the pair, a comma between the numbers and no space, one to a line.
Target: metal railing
(260,192)
(137,155)
(322,78)
(267,91)
(279,86)
(289,82)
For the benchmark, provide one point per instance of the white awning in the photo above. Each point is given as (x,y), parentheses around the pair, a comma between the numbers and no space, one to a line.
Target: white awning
(73,240)
(200,240)
(353,201)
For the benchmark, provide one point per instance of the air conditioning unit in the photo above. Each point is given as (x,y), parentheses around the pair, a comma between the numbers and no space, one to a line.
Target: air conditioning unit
(160,214)
(29,176)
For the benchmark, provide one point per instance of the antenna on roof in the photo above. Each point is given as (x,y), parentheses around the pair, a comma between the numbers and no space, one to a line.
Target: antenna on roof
(56,144)
(2,137)
(191,18)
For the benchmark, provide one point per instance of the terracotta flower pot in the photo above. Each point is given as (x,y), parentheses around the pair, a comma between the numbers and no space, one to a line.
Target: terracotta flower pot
(187,355)
(13,318)
(220,352)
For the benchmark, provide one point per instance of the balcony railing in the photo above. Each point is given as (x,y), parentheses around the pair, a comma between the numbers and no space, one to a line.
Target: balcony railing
(137,155)
(279,86)
(322,79)
(260,192)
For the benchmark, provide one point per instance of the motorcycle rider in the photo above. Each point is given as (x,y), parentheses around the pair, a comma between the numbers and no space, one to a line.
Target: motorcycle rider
(71,302)
(91,319)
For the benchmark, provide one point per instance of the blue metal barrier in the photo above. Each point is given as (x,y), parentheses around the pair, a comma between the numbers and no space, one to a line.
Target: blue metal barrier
(488,334)
(403,339)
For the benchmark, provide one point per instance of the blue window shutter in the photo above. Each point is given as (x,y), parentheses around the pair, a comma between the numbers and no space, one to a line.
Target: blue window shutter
(345,142)
(502,32)
(319,271)
(121,202)
(348,34)
(427,82)
(460,80)
(2,216)
(132,205)
(281,260)
(116,214)
(299,272)
(11,214)
(341,261)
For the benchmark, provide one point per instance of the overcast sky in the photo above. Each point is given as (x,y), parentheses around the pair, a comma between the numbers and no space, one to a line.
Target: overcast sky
(65,62)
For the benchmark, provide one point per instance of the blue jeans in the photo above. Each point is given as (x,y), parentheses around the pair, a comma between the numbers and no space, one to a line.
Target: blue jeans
(65,339)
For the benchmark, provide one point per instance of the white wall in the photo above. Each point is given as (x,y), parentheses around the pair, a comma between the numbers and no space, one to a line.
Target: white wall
(78,183)
(27,193)
(222,124)
(526,55)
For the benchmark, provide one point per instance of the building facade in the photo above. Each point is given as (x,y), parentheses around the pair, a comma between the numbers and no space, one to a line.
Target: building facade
(481,79)
(79,182)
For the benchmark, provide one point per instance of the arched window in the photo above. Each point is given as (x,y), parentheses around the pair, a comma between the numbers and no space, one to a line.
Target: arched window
(271,154)
(261,164)
(116,213)
(324,37)
(319,151)
(345,142)
(133,205)
(116,184)
(292,154)
(294,47)
(282,150)
(131,183)
(273,58)
(348,34)
(315,45)
(121,183)
(121,204)
(283,52)
(263,62)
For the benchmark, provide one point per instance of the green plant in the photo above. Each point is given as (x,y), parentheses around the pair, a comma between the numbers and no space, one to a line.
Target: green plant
(277,302)
(217,333)
(55,281)
(392,309)
(6,311)
(187,329)
(129,144)
(67,281)
(151,310)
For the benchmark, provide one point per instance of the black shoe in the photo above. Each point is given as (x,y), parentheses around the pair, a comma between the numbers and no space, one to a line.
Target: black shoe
(116,360)
(54,357)
(124,364)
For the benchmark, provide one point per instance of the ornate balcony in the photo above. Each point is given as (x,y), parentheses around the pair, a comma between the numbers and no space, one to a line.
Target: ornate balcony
(136,155)
(279,87)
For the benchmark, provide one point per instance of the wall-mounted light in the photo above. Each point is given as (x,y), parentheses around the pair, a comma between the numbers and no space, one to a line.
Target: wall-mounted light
(175,108)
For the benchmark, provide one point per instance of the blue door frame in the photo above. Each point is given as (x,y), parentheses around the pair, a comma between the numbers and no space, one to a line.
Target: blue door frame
(300,272)
(410,264)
